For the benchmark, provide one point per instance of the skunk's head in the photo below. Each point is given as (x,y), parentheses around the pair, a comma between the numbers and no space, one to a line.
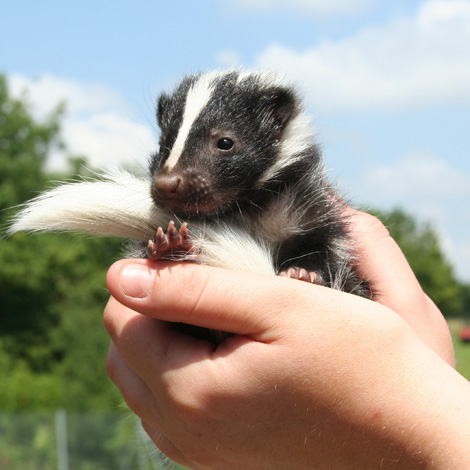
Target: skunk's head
(224,135)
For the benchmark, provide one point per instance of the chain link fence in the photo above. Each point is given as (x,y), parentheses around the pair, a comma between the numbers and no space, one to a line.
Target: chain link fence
(76,441)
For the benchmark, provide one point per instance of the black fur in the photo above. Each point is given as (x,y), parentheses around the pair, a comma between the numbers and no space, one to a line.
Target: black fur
(293,208)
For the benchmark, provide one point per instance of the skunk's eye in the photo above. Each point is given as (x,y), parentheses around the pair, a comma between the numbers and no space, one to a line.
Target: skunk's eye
(225,143)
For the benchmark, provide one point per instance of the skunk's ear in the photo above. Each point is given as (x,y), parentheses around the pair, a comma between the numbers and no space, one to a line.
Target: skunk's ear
(279,105)
(162,106)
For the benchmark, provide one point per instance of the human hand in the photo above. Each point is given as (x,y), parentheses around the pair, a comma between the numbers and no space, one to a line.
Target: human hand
(381,261)
(314,378)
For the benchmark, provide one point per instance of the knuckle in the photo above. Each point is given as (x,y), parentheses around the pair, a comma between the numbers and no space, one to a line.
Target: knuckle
(193,288)
(377,225)
(108,317)
(363,222)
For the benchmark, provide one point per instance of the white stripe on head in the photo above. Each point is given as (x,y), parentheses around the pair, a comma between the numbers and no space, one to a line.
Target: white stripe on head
(198,96)
(297,138)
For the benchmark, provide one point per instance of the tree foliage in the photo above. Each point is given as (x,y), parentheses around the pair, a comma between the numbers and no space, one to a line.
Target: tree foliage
(421,245)
(24,146)
(52,287)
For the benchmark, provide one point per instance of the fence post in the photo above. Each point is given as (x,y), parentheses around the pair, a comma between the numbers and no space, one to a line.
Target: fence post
(61,440)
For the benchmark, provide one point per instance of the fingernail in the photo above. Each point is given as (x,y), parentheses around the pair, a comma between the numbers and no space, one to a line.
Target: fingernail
(137,280)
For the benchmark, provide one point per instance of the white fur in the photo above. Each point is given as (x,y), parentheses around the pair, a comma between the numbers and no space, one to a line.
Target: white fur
(230,247)
(120,205)
(197,98)
(200,94)
(297,139)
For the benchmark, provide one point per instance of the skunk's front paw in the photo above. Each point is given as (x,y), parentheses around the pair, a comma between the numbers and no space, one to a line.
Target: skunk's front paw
(170,242)
(303,275)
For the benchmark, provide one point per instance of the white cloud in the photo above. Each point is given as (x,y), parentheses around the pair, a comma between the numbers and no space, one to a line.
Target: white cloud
(425,183)
(318,8)
(457,250)
(420,176)
(98,122)
(46,91)
(460,252)
(407,63)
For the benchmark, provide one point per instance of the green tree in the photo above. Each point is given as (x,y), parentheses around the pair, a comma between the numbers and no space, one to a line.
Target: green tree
(24,146)
(420,244)
(52,287)
(24,278)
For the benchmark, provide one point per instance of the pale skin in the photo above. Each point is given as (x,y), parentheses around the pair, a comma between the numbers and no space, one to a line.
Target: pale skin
(313,378)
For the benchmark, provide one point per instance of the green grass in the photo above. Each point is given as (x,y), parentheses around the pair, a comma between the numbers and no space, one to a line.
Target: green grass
(462,350)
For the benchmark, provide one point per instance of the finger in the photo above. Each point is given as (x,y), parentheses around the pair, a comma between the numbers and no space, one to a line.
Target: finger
(204,296)
(380,259)
(166,446)
(394,284)
(149,348)
(135,392)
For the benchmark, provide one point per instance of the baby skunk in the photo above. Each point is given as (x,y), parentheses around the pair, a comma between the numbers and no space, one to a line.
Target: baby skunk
(238,162)
(237,147)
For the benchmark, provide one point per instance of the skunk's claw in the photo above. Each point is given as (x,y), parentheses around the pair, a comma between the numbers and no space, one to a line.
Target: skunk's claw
(303,275)
(167,243)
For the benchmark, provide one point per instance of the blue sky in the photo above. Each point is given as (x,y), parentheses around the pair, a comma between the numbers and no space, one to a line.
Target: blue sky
(387,84)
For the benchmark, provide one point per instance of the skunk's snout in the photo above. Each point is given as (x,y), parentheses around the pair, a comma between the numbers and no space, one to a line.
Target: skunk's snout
(169,187)
(184,192)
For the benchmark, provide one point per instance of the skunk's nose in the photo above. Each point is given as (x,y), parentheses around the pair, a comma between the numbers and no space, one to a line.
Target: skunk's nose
(168,187)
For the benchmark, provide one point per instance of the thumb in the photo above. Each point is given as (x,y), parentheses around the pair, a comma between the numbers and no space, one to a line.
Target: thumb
(203,296)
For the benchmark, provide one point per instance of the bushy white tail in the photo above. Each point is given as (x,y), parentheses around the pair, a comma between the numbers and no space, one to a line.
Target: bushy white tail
(119,204)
